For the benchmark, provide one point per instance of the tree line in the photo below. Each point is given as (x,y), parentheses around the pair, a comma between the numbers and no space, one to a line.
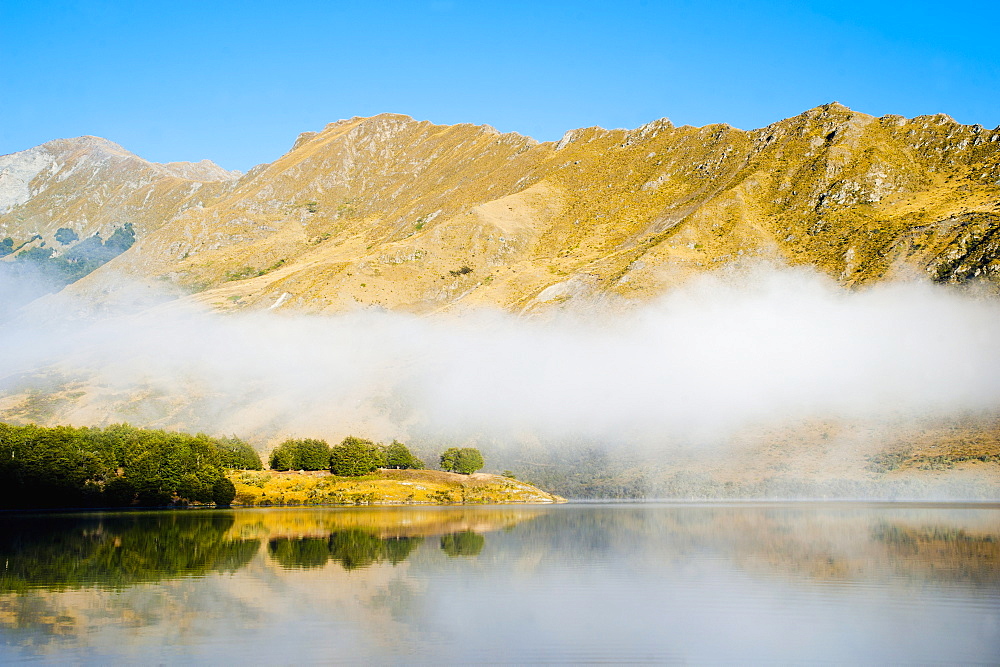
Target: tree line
(355,457)
(117,466)
(125,466)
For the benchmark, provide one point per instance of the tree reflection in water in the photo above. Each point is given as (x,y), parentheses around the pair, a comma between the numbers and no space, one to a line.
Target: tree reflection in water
(465,543)
(352,549)
(58,552)
(355,549)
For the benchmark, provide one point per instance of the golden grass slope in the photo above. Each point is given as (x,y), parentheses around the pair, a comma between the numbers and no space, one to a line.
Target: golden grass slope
(386,211)
(384,487)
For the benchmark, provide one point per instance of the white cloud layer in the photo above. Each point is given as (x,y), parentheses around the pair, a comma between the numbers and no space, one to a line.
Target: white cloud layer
(720,354)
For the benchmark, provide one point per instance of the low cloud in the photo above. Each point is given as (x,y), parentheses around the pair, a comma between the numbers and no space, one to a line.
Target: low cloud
(724,353)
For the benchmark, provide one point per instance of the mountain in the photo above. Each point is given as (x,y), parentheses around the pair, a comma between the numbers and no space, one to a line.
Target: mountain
(69,206)
(387,217)
(91,185)
(402,214)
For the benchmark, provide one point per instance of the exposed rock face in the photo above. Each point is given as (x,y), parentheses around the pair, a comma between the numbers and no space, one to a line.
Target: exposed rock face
(92,186)
(387,211)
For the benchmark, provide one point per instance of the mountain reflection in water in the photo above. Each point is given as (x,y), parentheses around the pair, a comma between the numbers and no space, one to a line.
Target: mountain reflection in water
(576,583)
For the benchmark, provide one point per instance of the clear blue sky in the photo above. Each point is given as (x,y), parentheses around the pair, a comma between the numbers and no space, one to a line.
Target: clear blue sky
(236,82)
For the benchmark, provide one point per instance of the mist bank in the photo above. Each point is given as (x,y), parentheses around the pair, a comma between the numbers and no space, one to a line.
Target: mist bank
(728,354)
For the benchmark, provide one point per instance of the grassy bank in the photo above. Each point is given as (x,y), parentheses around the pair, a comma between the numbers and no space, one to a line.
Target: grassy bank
(383,487)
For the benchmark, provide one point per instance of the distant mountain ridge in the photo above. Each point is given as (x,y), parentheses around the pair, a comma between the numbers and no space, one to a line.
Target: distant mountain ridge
(402,214)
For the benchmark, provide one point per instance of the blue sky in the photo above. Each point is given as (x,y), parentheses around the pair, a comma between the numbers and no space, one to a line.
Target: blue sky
(236,82)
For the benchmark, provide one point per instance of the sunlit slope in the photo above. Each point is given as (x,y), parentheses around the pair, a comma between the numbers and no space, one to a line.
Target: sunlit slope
(384,487)
(392,212)
(389,212)
(92,186)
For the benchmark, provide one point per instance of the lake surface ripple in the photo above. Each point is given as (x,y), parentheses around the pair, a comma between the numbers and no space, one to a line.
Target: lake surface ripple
(586,583)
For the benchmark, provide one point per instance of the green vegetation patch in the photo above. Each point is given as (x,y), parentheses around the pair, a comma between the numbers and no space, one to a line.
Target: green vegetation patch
(118,466)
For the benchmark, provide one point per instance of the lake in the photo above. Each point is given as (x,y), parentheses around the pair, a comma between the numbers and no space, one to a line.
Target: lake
(578,583)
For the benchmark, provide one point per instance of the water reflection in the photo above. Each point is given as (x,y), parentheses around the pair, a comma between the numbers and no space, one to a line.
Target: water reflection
(647,583)
(352,549)
(466,543)
(950,554)
(115,551)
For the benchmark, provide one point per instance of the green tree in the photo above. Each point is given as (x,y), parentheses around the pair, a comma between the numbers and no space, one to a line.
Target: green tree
(121,240)
(223,492)
(397,455)
(354,457)
(449,458)
(282,458)
(313,454)
(304,454)
(465,460)
(237,454)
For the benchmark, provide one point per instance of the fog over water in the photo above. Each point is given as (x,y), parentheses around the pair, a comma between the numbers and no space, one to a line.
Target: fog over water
(724,352)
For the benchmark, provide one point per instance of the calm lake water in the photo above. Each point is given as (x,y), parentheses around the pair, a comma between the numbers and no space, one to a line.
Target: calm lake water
(645,583)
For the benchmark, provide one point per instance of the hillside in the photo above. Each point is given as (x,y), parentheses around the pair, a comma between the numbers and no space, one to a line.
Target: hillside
(402,214)
(383,487)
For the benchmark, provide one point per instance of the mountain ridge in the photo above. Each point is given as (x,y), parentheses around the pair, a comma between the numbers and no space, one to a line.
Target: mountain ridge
(379,211)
